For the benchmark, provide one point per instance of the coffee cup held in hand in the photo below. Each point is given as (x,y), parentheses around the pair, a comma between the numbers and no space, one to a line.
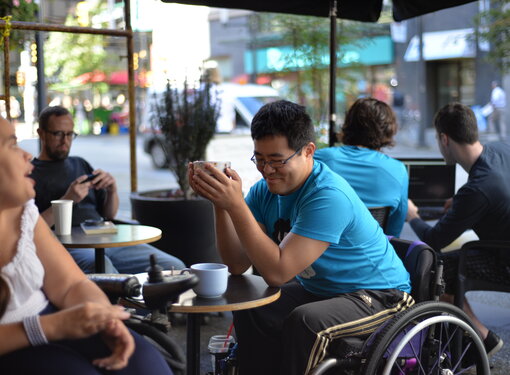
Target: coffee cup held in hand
(63,215)
(212,277)
(200,164)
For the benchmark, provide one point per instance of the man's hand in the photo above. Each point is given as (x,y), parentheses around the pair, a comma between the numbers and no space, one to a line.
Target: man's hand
(412,211)
(222,189)
(104,180)
(78,189)
(448,204)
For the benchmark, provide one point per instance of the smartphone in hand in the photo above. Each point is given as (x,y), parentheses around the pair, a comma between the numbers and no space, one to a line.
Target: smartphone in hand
(90,177)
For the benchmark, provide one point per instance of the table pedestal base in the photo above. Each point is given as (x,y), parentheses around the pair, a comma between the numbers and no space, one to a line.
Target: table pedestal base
(193,344)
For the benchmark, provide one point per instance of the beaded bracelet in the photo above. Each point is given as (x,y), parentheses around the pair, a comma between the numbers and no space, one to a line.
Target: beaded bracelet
(34,331)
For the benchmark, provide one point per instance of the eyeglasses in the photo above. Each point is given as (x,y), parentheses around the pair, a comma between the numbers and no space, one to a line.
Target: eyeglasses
(60,134)
(275,164)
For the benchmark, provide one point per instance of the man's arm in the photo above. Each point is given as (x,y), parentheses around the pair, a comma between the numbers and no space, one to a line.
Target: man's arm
(228,243)
(276,263)
(467,209)
(105,180)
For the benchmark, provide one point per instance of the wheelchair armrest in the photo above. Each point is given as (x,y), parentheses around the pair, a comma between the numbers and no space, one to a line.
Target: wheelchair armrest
(117,285)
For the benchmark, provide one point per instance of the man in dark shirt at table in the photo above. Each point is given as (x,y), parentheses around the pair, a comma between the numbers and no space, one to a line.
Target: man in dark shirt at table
(60,176)
(482,204)
(305,230)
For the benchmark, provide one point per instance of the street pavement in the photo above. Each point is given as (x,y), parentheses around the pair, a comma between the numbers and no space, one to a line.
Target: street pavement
(111,153)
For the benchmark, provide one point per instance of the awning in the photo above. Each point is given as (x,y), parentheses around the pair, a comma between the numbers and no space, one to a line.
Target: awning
(440,45)
(121,78)
(368,51)
(89,77)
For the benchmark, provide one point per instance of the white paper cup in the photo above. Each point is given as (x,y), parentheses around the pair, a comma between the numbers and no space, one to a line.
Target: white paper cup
(212,279)
(63,215)
(221,165)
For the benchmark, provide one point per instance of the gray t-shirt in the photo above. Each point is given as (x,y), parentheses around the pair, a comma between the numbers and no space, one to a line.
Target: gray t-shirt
(52,179)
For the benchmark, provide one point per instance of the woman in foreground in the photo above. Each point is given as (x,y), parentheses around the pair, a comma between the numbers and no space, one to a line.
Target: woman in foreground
(53,320)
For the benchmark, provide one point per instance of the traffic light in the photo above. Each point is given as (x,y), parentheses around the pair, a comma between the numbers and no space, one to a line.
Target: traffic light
(20,78)
(33,53)
(82,13)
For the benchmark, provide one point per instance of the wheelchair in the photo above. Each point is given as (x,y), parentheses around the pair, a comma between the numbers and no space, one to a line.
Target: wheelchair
(430,337)
(149,316)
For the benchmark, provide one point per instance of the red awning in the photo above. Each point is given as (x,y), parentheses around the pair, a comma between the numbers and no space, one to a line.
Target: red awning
(121,78)
(89,77)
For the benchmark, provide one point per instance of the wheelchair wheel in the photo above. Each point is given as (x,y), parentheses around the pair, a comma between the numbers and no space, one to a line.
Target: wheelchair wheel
(425,339)
(171,351)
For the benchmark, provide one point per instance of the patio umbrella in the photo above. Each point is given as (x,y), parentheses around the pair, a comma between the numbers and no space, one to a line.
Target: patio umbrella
(359,10)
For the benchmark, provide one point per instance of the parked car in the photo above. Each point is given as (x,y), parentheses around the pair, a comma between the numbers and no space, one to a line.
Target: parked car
(239,103)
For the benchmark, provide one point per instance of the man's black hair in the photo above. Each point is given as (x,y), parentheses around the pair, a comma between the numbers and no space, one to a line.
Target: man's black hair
(458,122)
(283,118)
(46,113)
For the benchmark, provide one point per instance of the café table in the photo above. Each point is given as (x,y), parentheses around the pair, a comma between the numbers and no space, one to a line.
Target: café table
(243,292)
(127,235)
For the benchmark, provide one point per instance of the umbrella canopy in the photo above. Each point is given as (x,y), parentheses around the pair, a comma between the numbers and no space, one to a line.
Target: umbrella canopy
(358,10)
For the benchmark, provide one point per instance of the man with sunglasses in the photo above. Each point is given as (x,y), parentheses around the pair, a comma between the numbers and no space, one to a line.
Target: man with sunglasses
(305,230)
(60,176)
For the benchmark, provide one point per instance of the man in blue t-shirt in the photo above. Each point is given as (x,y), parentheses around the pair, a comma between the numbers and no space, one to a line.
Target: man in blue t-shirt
(305,230)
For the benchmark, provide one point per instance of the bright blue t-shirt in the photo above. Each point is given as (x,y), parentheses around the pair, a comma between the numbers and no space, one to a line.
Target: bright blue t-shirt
(326,208)
(378,179)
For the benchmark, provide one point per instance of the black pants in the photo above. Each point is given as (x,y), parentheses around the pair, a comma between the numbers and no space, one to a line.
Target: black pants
(294,333)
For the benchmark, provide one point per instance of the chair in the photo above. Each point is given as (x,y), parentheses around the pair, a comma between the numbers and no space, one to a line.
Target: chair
(420,260)
(464,284)
(381,215)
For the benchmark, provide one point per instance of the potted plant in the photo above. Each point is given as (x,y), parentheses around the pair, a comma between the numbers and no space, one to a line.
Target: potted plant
(187,120)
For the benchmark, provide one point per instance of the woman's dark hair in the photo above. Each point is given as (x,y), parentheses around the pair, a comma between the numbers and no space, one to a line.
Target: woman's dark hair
(5,295)
(46,113)
(286,119)
(369,123)
(458,122)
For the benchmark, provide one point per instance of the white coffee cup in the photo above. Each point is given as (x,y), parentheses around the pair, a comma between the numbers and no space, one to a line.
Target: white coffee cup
(221,165)
(63,215)
(212,279)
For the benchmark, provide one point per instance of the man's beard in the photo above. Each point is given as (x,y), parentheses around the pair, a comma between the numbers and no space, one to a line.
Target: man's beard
(56,155)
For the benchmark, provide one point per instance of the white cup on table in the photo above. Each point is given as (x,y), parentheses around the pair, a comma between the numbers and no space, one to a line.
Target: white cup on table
(63,215)
(212,279)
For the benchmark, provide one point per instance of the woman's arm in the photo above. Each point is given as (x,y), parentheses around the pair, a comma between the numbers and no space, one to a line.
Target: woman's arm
(84,308)
(64,282)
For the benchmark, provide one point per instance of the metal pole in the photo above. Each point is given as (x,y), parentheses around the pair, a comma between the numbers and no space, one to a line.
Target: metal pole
(131,96)
(19,25)
(422,82)
(41,81)
(332,73)
(7,79)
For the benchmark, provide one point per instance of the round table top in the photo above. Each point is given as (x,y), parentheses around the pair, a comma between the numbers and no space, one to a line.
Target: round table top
(243,292)
(127,235)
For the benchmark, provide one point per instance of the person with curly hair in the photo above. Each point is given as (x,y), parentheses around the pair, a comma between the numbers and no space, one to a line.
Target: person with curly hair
(378,179)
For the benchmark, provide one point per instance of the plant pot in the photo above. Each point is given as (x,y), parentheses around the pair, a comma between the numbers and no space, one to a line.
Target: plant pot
(188,226)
